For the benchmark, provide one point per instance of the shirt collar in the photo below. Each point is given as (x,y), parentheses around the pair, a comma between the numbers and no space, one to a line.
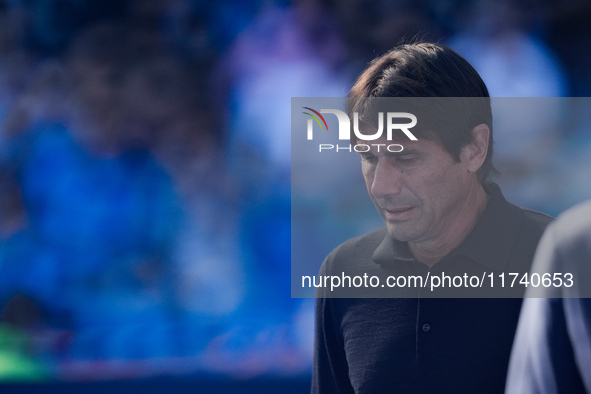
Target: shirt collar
(490,242)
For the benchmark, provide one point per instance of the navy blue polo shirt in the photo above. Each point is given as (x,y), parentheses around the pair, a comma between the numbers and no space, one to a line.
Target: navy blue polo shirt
(421,344)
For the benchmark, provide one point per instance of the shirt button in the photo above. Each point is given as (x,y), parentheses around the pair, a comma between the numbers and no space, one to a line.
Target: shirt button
(426,327)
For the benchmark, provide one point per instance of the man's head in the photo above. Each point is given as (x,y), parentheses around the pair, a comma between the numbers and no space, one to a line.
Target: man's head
(425,192)
(432,70)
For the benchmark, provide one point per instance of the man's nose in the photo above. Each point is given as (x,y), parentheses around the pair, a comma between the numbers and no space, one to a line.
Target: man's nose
(387,179)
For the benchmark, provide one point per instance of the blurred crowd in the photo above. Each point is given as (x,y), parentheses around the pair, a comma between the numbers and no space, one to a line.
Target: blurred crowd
(145,165)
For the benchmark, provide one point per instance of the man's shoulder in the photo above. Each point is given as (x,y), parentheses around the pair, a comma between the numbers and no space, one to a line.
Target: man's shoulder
(536,219)
(532,226)
(355,251)
(527,234)
(503,214)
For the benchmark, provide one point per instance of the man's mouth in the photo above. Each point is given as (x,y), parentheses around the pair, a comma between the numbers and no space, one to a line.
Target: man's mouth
(399,213)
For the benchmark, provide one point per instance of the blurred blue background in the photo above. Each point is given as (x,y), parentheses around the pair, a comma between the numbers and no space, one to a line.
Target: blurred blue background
(145,171)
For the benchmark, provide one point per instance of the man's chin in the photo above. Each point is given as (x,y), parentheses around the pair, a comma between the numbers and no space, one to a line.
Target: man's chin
(399,233)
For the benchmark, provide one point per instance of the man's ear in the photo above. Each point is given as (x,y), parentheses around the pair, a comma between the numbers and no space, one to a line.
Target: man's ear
(474,153)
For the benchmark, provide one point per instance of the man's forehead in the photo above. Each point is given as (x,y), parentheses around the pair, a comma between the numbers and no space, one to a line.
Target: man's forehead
(398,146)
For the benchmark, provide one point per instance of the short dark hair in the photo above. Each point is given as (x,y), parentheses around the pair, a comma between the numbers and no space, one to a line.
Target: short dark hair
(431,70)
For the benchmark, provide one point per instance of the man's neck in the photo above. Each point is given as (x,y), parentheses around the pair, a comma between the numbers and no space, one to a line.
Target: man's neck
(430,252)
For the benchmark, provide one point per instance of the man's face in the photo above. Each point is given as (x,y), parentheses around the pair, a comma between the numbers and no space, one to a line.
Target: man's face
(420,192)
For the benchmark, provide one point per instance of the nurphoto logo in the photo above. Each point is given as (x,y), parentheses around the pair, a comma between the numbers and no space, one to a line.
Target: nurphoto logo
(344,132)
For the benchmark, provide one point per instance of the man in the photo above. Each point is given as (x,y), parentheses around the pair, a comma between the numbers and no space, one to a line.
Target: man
(552,349)
(443,215)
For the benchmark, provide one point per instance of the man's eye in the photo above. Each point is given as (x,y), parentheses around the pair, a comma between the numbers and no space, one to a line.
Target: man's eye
(368,158)
(406,159)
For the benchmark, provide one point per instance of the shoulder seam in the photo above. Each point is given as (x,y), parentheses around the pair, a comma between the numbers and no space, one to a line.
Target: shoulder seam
(527,210)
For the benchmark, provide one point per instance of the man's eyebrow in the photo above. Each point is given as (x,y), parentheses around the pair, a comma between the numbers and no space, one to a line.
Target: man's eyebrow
(410,152)
(406,152)
(383,150)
